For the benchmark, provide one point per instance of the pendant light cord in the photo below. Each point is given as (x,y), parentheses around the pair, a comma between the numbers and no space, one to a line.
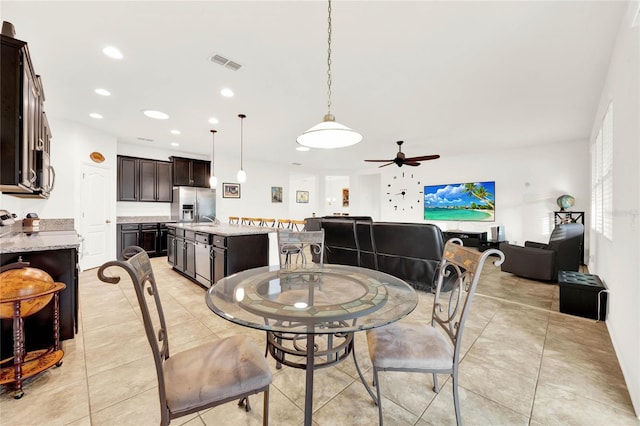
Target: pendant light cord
(213,148)
(242,117)
(329,62)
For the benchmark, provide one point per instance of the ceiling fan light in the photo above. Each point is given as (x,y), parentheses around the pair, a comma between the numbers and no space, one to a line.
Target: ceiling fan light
(329,134)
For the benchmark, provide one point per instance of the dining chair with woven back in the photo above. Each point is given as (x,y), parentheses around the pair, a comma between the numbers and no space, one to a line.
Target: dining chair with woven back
(412,345)
(220,371)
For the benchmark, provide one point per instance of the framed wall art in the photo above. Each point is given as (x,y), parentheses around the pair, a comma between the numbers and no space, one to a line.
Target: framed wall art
(276,194)
(302,196)
(345,197)
(230,190)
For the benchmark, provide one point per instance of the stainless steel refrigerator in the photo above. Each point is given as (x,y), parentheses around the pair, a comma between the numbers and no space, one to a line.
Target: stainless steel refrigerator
(192,204)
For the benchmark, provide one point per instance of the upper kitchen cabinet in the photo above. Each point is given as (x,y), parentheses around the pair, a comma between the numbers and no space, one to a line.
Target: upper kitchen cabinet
(155,181)
(24,131)
(141,179)
(190,172)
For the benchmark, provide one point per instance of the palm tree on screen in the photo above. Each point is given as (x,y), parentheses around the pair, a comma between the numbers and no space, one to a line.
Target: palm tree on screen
(479,192)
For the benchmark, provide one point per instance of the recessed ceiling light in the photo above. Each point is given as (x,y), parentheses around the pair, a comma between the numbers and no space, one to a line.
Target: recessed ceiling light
(175,132)
(103,92)
(303,148)
(226,92)
(95,115)
(175,144)
(158,115)
(213,120)
(112,52)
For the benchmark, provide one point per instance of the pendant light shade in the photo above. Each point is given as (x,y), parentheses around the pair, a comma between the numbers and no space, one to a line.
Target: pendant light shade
(329,133)
(213,180)
(242,176)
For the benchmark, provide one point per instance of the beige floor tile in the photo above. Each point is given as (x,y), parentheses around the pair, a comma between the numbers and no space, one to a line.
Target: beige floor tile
(588,383)
(140,409)
(474,410)
(354,406)
(281,412)
(513,329)
(506,356)
(46,400)
(118,384)
(556,406)
(512,390)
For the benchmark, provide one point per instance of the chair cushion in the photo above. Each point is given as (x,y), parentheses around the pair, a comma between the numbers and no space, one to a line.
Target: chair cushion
(214,371)
(410,345)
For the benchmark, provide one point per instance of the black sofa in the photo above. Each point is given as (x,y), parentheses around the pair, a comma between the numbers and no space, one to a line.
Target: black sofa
(410,251)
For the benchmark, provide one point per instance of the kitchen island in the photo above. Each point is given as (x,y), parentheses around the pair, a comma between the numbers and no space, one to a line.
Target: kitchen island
(208,252)
(55,251)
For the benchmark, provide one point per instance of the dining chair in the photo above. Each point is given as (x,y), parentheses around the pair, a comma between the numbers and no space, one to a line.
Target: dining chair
(234,220)
(412,345)
(299,244)
(205,376)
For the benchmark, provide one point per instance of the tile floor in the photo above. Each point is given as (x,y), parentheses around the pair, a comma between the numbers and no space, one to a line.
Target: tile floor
(524,363)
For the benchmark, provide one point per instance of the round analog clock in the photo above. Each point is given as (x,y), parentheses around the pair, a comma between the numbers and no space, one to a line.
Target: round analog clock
(405,192)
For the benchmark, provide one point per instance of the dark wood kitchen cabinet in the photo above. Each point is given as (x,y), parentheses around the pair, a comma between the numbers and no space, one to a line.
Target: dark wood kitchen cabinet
(25,138)
(191,172)
(152,237)
(155,181)
(128,178)
(142,179)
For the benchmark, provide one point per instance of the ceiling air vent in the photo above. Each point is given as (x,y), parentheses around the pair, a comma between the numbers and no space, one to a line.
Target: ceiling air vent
(140,138)
(221,60)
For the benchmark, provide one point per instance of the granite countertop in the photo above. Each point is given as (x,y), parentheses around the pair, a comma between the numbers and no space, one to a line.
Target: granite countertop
(36,240)
(142,219)
(223,229)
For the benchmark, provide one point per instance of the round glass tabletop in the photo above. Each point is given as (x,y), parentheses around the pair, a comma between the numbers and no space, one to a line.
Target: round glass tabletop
(318,300)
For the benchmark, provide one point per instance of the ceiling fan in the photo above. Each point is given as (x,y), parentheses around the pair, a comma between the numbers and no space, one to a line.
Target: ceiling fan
(401,160)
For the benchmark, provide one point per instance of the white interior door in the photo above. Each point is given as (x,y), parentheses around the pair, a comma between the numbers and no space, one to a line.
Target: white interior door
(95,223)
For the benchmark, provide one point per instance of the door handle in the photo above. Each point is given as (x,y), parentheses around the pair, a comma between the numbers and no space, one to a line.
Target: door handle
(107,221)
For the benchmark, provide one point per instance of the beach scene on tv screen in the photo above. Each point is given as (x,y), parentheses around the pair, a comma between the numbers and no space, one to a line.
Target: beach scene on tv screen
(474,201)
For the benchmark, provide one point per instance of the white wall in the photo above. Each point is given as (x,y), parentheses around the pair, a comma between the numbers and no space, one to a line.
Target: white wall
(617,261)
(528,181)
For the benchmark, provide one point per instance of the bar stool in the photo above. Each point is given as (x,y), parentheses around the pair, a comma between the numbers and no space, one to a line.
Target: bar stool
(234,220)
(270,222)
(245,220)
(298,225)
(284,223)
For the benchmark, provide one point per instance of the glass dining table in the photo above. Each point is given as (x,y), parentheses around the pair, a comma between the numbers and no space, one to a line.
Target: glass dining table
(310,314)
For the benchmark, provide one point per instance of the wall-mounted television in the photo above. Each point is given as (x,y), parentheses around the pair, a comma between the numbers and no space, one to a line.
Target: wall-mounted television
(474,201)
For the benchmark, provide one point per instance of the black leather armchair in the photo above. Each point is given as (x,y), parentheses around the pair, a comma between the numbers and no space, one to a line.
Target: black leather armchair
(541,261)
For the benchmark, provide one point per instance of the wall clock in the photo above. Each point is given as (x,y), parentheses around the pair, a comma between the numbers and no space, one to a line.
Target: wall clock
(405,192)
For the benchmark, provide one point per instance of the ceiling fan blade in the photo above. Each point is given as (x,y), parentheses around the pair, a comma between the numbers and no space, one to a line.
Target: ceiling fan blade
(378,161)
(423,158)
(411,163)
(386,164)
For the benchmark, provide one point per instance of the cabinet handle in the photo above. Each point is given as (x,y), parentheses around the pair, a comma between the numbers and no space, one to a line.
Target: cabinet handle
(33,177)
(53,178)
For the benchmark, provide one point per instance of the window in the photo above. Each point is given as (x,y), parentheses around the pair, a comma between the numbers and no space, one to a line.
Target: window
(602,177)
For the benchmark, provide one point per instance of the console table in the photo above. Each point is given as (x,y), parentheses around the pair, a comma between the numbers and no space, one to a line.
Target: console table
(469,238)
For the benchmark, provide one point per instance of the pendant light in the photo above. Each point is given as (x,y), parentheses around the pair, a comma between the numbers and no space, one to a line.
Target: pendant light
(329,133)
(213,180)
(242,176)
